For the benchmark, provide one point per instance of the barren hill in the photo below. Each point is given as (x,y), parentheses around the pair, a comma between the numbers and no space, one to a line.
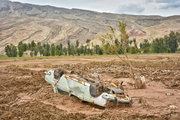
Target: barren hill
(26,22)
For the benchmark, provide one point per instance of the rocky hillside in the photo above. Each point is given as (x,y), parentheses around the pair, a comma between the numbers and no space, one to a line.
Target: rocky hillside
(26,22)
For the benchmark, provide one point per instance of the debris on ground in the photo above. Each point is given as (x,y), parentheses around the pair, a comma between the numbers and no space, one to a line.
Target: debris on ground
(92,91)
(25,95)
(173,107)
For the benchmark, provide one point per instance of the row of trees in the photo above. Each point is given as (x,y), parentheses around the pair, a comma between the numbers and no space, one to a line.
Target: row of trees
(52,49)
(167,44)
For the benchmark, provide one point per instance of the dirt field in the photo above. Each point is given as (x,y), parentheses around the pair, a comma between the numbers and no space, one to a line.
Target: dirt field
(24,94)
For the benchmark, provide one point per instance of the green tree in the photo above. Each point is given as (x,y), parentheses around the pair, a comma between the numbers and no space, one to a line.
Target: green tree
(31,53)
(135,44)
(69,47)
(133,50)
(159,46)
(172,42)
(33,45)
(11,50)
(77,43)
(123,38)
(107,48)
(14,51)
(73,50)
(88,44)
(60,49)
(65,51)
(98,50)
(29,46)
(145,46)
(77,50)
(8,51)
(85,50)
(57,51)
(46,49)
(36,51)
(81,49)
(39,48)
(53,50)
(20,49)
(25,46)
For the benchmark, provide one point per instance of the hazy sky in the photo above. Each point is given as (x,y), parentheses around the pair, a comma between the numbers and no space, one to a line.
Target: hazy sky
(140,7)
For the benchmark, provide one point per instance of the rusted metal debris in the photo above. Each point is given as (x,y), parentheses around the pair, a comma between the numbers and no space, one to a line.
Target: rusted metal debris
(86,90)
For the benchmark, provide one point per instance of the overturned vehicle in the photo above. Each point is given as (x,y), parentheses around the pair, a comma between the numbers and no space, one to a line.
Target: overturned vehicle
(84,89)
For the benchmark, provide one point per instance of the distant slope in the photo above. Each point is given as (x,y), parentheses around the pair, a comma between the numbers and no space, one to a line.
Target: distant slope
(26,22)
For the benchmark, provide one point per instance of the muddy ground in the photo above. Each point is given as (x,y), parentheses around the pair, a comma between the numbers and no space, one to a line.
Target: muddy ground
(25,95)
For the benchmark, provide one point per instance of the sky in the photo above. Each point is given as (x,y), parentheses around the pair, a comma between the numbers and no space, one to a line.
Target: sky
(137,7)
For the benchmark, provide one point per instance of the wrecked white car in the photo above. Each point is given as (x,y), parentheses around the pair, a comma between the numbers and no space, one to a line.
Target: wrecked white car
(85,90)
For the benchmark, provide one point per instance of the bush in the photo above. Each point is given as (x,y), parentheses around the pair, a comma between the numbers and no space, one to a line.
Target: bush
(133,50)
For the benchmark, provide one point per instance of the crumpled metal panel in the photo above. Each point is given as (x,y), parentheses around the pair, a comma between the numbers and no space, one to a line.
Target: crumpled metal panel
(80,88)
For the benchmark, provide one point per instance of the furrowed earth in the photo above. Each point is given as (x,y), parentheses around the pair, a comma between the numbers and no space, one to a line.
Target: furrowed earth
(24,94)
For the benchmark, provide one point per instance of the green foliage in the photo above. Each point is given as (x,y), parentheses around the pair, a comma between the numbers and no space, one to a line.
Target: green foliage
(77,43)
(81,49)
(46,49)
(135,44)
(69,47)
(35,51)
(53,50)
(77,49)
(33,45)
(21,48)
(11,50)
(98,50)
(172,42)
(107,48)
(8,51)
(65,51)
(145,46)
(72,52)
(31,53)
(133,50)
(14,51)
(159,46)
(167,44)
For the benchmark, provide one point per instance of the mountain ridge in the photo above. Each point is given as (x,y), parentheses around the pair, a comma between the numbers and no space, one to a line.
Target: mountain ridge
(27,22)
